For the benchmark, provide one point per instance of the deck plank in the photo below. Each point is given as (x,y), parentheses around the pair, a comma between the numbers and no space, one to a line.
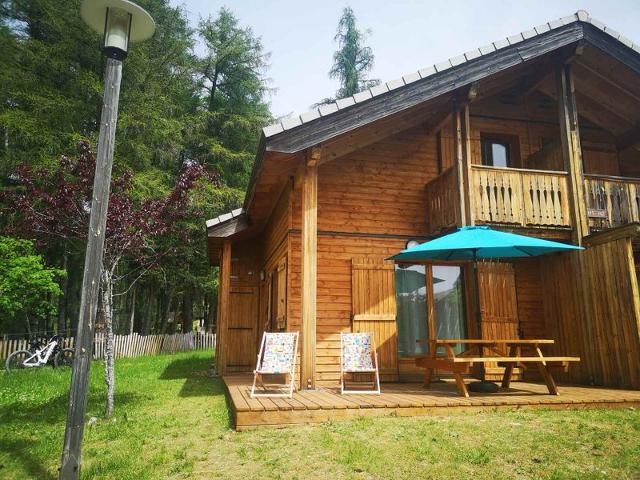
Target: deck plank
(408,399)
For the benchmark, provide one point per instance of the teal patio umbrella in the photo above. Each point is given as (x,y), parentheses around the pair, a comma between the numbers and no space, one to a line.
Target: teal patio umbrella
(480,243)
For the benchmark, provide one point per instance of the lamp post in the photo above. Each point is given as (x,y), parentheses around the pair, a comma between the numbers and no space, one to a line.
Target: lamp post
(121,22)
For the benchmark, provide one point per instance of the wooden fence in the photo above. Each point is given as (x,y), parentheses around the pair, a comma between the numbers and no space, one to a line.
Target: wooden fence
(133,345)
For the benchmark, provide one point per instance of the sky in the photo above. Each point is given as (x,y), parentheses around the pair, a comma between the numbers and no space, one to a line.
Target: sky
(405,35)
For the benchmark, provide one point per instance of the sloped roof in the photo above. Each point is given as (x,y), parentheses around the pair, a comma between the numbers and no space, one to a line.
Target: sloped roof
(291,135)
(343,103)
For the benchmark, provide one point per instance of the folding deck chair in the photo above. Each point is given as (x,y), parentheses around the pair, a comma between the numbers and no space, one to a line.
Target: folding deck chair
(277,356)
(358,356)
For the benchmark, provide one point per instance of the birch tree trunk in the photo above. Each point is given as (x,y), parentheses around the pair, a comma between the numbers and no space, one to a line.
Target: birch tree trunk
(106,286)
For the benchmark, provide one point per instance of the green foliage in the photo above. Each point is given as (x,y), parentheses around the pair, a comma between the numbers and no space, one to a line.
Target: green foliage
(175,107)
(26,284)
(353,60)
(232,93)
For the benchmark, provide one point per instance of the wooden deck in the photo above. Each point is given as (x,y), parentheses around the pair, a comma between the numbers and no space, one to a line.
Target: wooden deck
(408,399)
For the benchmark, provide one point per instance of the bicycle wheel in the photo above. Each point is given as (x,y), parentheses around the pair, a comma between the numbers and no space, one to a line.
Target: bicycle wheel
(64,358)
(15,361)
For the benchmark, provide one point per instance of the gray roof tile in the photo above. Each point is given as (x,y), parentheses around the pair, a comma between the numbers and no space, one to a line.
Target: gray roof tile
(272,129)
(473,54)
(310,115)
(379,89)
(487,49)
(501,44)
(626,41)
(328,108)
(345,102)
(582,15)
(460,59)
(612,32)
(540,29)
(411,77)
(393,84)
(555,23)
(291,122)
(513,39)
(529,33)
(427,71)
(362,96)
(569,19)
(597,24)
(442,66)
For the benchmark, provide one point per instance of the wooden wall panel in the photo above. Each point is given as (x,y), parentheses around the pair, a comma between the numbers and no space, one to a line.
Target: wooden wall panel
(593,311)
(530,305)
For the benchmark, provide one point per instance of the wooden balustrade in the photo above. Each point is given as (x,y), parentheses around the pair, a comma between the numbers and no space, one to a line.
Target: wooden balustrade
(512,196)
(611,201)
(443,201)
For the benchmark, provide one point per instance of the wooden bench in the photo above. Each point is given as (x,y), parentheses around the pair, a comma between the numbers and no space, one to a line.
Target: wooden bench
(459,363)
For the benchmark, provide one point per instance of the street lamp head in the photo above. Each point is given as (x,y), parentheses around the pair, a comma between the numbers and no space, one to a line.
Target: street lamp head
(120,21)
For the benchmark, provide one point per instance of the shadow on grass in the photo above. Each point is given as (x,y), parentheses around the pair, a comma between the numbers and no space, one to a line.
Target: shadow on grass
(20,449)
(196,374)
(27,419)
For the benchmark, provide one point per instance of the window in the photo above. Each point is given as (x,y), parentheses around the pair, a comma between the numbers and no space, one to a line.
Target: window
(411,304)
(500,150)
(411,300)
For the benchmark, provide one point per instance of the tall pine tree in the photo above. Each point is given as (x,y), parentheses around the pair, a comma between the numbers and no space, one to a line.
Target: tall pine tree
(353,60)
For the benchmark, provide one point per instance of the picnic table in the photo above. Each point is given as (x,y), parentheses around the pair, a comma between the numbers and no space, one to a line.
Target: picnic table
(478,351)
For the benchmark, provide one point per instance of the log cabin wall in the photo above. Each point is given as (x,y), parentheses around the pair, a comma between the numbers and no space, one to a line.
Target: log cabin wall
(370,203)
(592,310)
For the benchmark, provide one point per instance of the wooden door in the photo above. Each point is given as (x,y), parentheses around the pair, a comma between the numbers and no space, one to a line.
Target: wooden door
(242,329)
(374,309)
(498,305)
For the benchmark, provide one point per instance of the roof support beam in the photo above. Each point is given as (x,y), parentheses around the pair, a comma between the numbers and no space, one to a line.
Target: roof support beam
(222,323)
(571,150)
(309,257)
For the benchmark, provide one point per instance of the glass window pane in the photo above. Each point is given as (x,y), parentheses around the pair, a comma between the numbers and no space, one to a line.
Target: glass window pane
(448,299)
(411,297)
(499,154)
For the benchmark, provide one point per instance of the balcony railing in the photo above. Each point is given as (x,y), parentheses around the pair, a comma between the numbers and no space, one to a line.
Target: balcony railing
(611,201)
(513,196)
(443,201)
(504,196)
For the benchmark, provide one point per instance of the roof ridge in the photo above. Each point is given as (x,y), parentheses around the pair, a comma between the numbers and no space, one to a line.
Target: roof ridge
(288,123)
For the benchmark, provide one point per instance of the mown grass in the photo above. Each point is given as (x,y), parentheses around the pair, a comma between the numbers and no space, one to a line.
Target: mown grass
(172,422)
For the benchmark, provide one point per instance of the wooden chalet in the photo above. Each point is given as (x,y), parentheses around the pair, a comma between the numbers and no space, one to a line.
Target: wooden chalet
(538,133)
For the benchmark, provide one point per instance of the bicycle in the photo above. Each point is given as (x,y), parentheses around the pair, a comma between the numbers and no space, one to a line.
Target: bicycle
(39,355)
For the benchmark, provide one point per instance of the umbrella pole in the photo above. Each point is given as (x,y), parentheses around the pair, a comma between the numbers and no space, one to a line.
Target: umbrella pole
(476,300)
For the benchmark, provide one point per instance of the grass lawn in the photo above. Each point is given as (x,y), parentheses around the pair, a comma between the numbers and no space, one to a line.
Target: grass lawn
(172,422)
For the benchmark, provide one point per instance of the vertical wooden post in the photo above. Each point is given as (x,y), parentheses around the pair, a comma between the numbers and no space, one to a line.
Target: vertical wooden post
(72,447)
(571,150)
(466,165)
(224,289)
(459,162)
(309,268)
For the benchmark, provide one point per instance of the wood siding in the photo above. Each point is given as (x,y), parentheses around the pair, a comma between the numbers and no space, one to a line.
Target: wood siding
(592,310)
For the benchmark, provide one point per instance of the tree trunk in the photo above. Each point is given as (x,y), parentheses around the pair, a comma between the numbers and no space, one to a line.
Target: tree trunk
(106,284)
(165,309)
(146,312)
(211,314)
(187,310)
(62,299)
(132,317)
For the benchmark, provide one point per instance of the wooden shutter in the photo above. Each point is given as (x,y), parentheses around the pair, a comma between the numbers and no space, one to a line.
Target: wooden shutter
(374,309)
(281,294)
(498,305)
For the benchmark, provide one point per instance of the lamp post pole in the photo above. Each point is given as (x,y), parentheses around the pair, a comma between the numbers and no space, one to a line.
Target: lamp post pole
(70,465)
(120,21)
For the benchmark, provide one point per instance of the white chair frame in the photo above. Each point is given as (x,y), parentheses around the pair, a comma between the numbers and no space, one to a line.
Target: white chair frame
(257,373)
(374,371)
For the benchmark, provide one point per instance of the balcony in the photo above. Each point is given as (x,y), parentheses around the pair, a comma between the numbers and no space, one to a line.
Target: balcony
(501,196)
(611,201)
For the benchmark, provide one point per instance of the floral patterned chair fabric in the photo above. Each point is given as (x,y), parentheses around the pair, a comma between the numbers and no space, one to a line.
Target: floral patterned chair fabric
(277,357)
(358,356)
